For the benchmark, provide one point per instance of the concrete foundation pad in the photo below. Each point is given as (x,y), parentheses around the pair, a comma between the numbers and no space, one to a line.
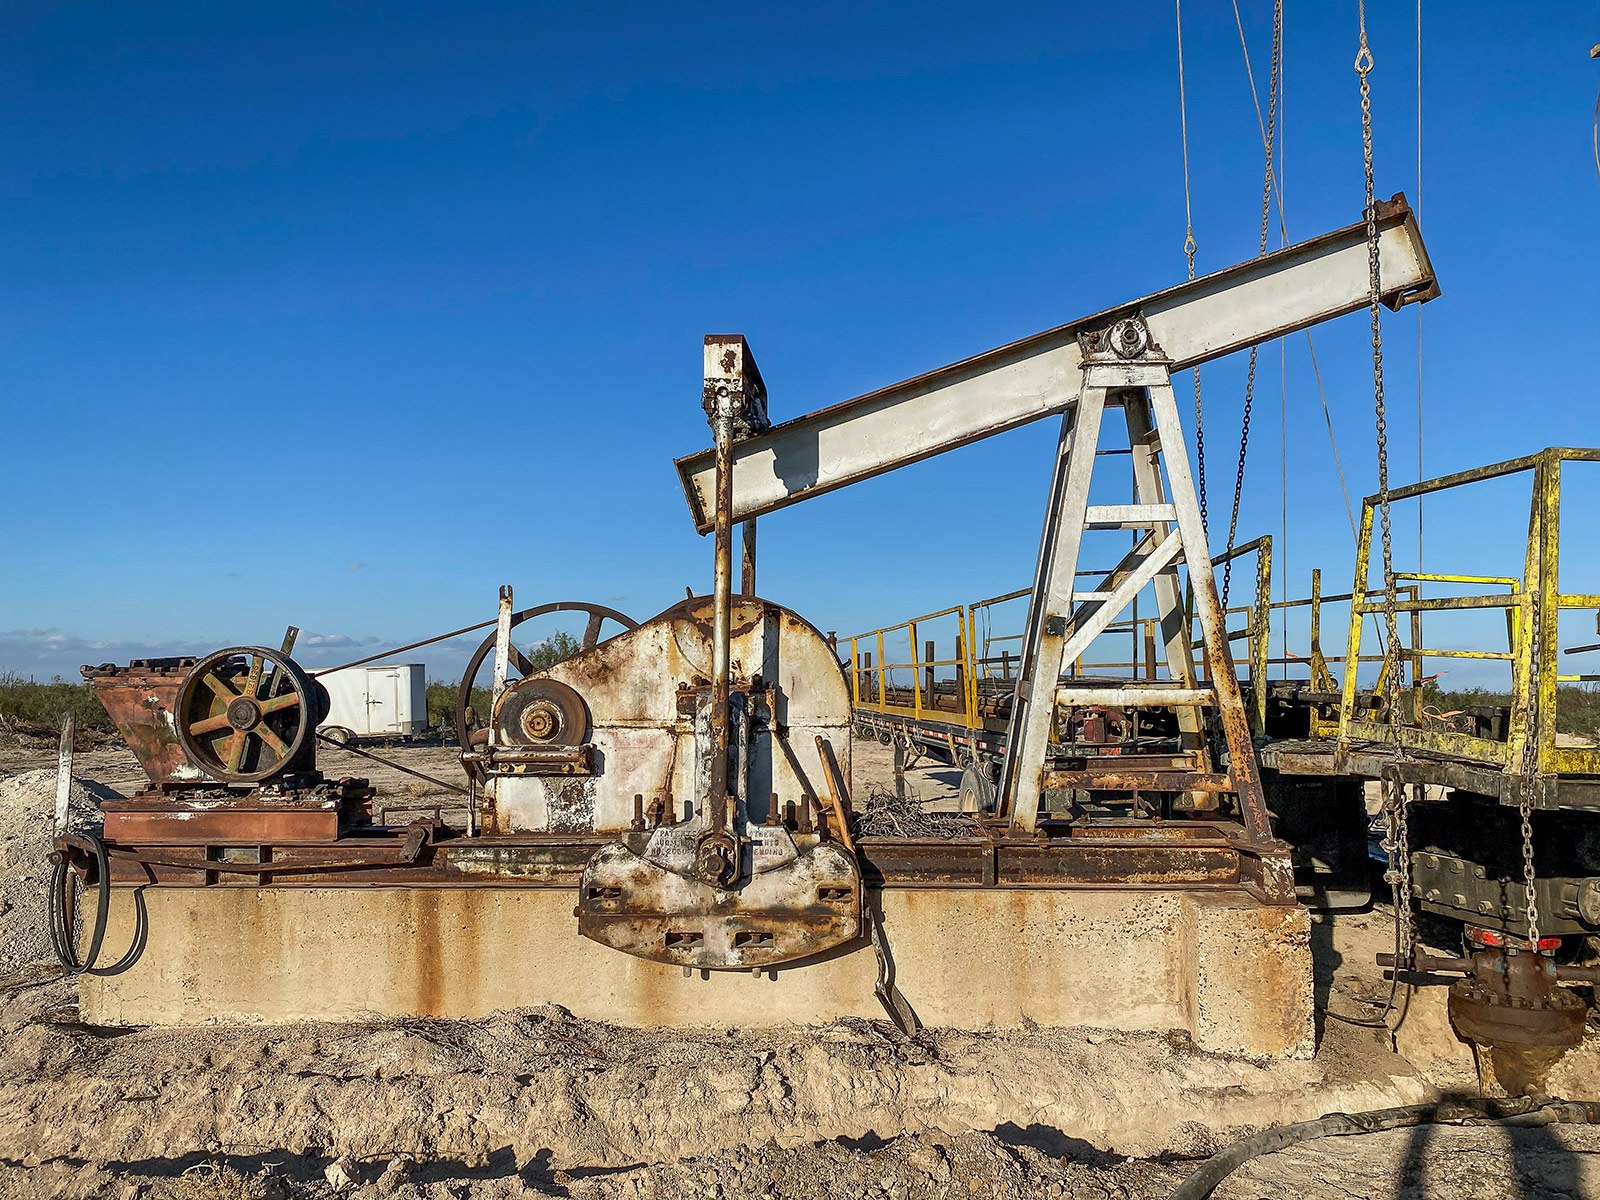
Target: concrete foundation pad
(1229,971)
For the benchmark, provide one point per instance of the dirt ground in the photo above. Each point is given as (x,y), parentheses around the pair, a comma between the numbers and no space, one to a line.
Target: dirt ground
(534,1102)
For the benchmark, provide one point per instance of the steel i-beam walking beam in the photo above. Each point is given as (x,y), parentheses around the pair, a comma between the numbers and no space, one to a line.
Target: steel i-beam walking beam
(1036,377)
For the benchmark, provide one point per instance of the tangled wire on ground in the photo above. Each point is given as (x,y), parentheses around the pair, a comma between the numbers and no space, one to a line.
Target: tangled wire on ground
(888,815)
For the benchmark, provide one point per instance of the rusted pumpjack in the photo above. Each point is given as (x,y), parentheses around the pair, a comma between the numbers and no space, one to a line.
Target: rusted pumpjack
(673,773)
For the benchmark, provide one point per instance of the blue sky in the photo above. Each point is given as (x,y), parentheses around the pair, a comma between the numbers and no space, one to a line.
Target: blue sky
(345,314)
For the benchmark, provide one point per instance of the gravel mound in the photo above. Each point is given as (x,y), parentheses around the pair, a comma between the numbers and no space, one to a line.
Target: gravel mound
(27,828)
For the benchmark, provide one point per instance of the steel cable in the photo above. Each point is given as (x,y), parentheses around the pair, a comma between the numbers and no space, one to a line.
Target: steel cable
(1311,345)
(1267,186)
(1518,1111)
(1189,248)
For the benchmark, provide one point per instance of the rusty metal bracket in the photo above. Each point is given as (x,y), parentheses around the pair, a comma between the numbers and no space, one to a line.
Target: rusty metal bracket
(790,913)
(419,834)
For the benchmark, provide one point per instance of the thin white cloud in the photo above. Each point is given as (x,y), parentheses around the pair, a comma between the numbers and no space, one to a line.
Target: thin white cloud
(46,653)
(333,640)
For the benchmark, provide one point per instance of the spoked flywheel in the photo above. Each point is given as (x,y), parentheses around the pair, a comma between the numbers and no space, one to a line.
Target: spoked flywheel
(245,713)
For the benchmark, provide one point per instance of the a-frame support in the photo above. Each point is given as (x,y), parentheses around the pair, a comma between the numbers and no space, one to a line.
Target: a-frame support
(1123,368)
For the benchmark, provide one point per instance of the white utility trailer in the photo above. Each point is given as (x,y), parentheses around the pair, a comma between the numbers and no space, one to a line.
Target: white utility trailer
(388,701)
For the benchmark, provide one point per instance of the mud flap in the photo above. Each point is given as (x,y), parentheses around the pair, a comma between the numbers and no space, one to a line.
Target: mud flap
(810,904)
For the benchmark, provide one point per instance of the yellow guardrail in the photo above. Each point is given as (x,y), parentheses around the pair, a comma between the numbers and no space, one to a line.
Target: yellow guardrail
(974,672)
(1534,670)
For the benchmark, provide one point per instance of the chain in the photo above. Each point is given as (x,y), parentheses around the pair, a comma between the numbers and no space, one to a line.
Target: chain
(1530,764)
(1238,479)
(1266,217)
(1398,841)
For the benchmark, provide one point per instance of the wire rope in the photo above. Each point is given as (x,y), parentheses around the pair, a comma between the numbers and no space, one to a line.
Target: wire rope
(1189,248)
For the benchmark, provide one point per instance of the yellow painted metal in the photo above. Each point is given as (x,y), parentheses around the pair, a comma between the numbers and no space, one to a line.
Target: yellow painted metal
(1534,668)
(923,704)
(1257,632)
(1506,580)
(874,690)
(1439,741)
(1352,644)
(1441,603)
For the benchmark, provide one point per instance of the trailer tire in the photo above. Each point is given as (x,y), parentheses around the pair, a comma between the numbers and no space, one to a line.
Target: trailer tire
(977,791)
(337,735)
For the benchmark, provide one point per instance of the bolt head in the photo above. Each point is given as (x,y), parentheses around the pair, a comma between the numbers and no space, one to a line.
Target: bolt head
(243,713)
(541,721)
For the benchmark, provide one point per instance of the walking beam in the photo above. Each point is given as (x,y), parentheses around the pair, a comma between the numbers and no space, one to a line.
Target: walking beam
(1036,377)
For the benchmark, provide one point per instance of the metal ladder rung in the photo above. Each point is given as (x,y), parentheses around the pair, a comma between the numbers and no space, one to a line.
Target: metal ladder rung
(1128,516)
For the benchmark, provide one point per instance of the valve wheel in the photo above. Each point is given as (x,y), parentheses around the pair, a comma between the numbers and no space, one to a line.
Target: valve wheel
(599,614)
(244,714)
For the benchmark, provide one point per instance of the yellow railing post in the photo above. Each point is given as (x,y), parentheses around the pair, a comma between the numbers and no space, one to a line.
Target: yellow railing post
(1352,649)
(1262,624)
(1545,661)
(882,699)
(916,675)
(972,674)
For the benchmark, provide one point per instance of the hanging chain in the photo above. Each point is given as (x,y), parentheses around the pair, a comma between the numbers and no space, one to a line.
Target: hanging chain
(1397,842)
(1266,217)
(1189,247)
(1530,750)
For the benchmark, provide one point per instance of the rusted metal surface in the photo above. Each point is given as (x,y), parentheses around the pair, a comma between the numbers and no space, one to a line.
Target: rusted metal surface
(747,557)
(1493,1016)
(1171,854)
(140,700)
(621,741)
(646,691)
(1511,996)
(257,818)
(807,901)
(226,824)
(544,714)
(598,614)
(836,791)
(218,862)
(735,401)
(1177,855)
(1132,781)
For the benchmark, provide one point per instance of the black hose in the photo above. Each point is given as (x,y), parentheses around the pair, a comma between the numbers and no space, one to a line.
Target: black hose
(61,938)
(1521,1111)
